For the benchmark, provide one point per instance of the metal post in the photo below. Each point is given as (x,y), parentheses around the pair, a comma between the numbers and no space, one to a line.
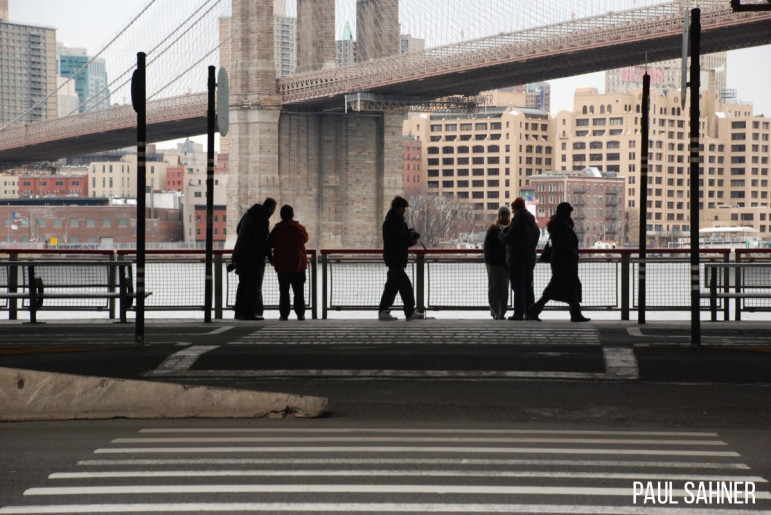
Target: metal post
(139,101)
(218,278)
(420,263)
(324,262)
(643,229)
(210,119)
(695,40)
(625,260)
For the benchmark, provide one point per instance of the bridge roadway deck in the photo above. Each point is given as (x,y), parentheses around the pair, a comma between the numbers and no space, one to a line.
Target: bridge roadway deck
(236,352)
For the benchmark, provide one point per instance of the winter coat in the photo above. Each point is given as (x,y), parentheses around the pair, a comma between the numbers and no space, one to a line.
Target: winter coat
(564,285)
(397,240)
(494,247)
(521,239)
(251,246)
(288,239)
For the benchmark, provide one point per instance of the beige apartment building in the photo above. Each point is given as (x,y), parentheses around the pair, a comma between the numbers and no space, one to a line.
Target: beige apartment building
(119,178)
(603,131)
(483,157)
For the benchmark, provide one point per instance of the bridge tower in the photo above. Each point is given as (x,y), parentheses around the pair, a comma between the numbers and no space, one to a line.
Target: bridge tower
(255,108)
(377,29)
(339,171)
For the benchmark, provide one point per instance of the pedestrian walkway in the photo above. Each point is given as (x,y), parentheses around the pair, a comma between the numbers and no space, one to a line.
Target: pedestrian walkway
(436,349)
(242,468)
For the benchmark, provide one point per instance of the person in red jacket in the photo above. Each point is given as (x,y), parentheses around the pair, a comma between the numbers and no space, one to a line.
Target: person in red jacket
(288,239)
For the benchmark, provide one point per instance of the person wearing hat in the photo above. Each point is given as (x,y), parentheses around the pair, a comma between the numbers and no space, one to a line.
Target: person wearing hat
(288,239)
(397,239)
(495,262)
(521,241)
(564,286)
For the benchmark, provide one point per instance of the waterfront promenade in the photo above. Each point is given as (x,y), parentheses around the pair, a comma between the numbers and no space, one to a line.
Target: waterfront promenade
(440,349)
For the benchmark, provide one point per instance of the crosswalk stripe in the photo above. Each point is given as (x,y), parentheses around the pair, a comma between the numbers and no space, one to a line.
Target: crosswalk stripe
(411,449)
(375,439)
(324,430)
(395,464)
(400,473)
(641,464)
(352,488)
(465,508)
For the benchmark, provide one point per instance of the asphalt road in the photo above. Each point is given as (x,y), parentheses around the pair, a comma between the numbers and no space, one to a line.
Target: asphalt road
(454,417)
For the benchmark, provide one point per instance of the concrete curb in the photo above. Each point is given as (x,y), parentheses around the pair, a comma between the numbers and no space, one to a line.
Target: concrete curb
(32,395)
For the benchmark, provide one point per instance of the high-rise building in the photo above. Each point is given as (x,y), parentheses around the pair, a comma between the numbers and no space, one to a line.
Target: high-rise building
(345,47)
(89,76)
(285,38)
(284,43)
(27,71)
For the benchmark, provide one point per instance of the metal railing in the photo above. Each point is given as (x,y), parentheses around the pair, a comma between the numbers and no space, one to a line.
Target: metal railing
(175,278)
(444,279)
(456,280)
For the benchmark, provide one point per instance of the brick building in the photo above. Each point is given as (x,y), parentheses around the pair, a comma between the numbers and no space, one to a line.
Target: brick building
(84,225)
(38,186)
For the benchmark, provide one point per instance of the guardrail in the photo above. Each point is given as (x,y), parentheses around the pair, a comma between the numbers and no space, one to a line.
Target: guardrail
(444,279)
(171,277)
(455,279)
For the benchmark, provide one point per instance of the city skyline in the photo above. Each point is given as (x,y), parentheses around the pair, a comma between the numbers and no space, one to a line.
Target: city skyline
(95,22)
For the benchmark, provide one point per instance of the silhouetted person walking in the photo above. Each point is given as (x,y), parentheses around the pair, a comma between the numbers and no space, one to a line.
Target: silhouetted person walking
(564,285)
(397,239)
(249,255)
(288,239)
(495,264)
(521,241)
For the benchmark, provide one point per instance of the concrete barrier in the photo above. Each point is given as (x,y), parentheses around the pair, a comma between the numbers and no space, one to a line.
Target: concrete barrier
(32,395)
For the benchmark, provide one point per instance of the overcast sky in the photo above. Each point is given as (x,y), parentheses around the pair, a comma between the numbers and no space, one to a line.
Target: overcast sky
(92,23)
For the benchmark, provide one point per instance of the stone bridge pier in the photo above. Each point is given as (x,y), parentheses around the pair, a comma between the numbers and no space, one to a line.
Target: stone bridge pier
(339,171)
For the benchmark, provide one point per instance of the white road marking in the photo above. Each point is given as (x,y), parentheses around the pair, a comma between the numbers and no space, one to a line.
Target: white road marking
(620,363)
(182,360)
(374,374)
(355,507)
(410,449)
(426,439)
(323,430)
(352,488)
(398,473)
(637,464)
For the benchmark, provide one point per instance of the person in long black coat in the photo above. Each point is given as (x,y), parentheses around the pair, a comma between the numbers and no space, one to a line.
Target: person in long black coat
(564,286)
(249,255)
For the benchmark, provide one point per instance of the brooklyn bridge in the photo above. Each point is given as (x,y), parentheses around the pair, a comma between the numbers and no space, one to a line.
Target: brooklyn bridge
(327,138)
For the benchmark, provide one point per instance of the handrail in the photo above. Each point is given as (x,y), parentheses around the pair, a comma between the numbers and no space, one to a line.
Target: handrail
(611,276)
